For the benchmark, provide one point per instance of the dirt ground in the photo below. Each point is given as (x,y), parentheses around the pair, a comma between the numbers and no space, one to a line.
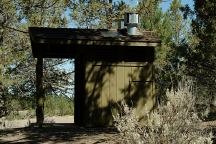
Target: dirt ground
(61,130)
(56,130)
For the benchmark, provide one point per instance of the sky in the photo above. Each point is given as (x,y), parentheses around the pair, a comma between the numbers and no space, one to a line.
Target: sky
(165,5)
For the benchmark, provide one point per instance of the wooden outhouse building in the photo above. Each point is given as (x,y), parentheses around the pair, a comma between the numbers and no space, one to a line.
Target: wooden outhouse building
(110,66)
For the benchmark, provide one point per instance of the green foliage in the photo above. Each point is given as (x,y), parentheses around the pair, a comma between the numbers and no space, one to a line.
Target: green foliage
(17,66)
(20,109)
(203,55)
(54,106)
(97,13)
(150,14)
(58,105)
(174,31)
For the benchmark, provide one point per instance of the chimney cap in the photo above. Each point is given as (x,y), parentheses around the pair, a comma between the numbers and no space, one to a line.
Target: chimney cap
(131,18)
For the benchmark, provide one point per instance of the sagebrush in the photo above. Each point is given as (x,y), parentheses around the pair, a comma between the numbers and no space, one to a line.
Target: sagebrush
(174,122)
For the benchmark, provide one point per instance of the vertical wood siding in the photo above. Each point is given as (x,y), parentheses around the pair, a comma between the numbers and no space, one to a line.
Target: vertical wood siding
(107,84)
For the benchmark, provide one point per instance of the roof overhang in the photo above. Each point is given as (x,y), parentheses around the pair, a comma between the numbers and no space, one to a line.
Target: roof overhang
(67,43)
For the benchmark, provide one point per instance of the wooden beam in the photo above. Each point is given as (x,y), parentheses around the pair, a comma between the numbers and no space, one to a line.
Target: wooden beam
(88,42)
(39,93)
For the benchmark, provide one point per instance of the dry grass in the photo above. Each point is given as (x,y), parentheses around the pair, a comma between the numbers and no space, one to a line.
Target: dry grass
(22,123)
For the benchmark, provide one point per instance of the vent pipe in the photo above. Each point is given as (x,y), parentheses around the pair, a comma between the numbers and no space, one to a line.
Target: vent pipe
(132,21)
(121,24)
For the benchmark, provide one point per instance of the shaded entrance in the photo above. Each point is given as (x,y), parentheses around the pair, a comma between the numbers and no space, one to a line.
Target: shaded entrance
(110,66)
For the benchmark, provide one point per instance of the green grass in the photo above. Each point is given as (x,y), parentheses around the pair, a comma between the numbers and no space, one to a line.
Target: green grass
(53,106)
(58,105)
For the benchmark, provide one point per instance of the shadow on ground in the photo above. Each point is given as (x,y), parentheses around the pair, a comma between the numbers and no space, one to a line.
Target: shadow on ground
(58,133)
(64,133)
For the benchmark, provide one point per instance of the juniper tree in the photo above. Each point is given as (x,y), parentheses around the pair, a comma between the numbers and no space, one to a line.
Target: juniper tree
(203,57)
(17,65)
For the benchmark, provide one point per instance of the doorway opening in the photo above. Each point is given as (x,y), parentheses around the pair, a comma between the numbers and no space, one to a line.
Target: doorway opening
(58,85)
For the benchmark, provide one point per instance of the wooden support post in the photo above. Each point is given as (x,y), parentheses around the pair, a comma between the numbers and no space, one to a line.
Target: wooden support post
(77,112)
(39,93)
(78,92)
(79,100)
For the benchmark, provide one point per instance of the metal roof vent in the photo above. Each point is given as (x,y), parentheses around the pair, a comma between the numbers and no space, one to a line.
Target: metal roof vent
(118,24)
(132,21)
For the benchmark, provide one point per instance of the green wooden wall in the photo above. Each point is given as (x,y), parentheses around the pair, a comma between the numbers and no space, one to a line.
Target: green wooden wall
(106,84)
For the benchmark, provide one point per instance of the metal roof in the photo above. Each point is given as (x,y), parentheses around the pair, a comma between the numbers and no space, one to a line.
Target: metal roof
(67,42)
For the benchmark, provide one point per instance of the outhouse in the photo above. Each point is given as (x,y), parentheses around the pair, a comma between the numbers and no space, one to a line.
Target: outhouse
(110,66)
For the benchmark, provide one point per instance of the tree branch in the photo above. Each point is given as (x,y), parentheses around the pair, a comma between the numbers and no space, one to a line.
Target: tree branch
(7,27)
(46,7)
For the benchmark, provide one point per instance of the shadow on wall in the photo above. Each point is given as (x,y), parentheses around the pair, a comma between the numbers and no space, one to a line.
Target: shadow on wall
(107,84)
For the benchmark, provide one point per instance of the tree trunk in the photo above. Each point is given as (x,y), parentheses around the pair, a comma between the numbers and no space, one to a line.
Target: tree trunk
(3,102)
(39,92)
(109,15)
